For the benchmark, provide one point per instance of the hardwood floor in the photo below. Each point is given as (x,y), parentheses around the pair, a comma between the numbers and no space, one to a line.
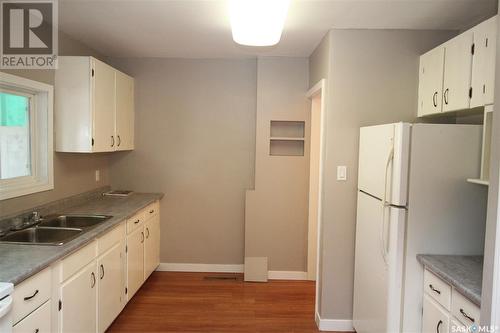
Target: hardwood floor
(198,302)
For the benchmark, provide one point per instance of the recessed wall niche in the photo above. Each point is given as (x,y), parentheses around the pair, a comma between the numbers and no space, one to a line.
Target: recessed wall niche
(286,138)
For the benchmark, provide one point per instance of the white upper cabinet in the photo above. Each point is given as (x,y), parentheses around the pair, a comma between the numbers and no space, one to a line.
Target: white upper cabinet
(430,90)
(457,72)
(124,112)
(94,107)
(483,65)
(103,92)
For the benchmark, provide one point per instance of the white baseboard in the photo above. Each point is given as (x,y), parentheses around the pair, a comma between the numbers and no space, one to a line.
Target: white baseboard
(287,275)
(205,268)
(336,325)
(222,268)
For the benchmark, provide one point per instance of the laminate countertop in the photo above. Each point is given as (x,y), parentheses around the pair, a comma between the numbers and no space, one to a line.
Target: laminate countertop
(20,261)
(464,273)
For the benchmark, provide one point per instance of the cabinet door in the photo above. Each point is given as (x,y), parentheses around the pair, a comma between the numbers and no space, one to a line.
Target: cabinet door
(124,112)
(152,246)
(457,72)
(135,261)
(430,89)
(103,92)
(79,300)
(110,269)
(435,319)
(483,64)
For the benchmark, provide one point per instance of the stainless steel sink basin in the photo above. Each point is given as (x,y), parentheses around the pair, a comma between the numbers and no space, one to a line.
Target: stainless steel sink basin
(73,221)
(42,236)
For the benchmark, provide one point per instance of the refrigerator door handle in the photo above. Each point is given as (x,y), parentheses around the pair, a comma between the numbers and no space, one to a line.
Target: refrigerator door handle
(385,205)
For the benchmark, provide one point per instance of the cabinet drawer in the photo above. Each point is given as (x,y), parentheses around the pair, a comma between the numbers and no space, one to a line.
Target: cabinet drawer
(437,289)
(39,321)
(114,236)
(152,210)
(30,294)
(136,221)
(463,309)
(74,262)
(435,319)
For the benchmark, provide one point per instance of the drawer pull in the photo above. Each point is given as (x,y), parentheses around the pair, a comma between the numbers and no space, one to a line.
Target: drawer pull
(151,211)
(37,330)
(466,315)
(438,326)
(135,222)
(30,297)
(434,289)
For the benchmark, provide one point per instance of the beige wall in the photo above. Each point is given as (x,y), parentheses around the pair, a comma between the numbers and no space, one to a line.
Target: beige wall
(73,173)
(195,141)
(372,79)
(276,224)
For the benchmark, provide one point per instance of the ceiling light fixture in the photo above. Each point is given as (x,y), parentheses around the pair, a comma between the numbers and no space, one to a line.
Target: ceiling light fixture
(257,22)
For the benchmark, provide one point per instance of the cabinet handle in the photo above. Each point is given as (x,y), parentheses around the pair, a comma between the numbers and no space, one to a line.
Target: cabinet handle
(434,289)
(438,326)
(92,280)
(30,297)
(147,233)
(466,315)
(37,330)
(151,211)
(112,141)
(102,271)
(434,100)
(119,141)
(142,233)
(135,222)
(446,95)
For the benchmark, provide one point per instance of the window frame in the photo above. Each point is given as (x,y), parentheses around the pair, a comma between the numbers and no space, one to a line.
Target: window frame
(41,137)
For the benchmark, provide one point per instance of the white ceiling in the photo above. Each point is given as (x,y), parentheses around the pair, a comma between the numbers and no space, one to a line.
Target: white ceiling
(201,29)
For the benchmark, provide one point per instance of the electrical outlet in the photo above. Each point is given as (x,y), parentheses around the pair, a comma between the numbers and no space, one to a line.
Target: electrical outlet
(97,175)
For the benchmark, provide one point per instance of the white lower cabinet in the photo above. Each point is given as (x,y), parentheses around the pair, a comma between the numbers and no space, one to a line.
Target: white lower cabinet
(445,309)
(39,321)
(79,301)
(110,288)
(434,319)
(86,290)
(152,245)
(135,261)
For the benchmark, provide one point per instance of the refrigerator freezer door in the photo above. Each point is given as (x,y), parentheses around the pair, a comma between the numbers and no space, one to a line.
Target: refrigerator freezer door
(371,273)
(378,276)
(383,162)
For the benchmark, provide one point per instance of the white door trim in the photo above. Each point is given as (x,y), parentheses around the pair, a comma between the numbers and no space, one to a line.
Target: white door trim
(318,89)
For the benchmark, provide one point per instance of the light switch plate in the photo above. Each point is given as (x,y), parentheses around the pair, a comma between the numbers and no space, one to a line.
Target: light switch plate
(97,175)
(341,172)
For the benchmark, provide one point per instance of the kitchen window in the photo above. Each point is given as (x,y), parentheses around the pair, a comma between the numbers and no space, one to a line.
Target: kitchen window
(26,149)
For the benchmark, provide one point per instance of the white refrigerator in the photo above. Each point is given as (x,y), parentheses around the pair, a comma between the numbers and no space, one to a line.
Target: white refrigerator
(413,198)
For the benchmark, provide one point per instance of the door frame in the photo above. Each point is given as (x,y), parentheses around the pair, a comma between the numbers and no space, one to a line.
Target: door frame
(313,252)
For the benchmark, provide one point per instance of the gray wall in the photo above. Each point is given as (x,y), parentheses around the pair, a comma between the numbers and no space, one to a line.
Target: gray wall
(372,79)
(276,211)
(73,173)
(195,141)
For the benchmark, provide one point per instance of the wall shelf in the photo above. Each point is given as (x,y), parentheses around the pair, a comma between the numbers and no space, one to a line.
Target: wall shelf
(479,181)
(486,149)
(284,138)
(287,138)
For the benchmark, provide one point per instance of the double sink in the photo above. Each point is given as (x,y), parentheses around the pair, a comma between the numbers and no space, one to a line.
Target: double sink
(55,230)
